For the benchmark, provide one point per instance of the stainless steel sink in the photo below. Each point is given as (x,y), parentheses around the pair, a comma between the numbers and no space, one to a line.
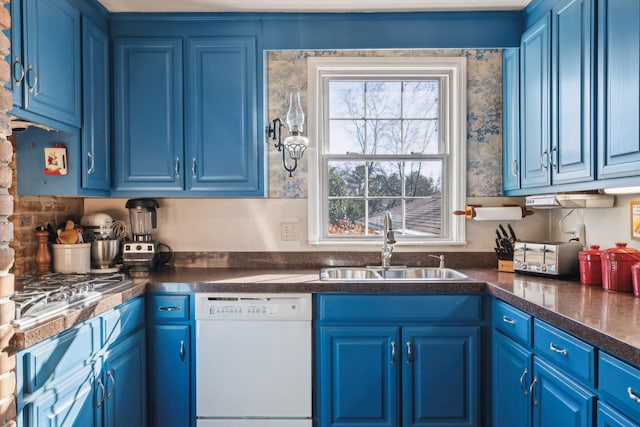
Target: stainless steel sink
(368,274)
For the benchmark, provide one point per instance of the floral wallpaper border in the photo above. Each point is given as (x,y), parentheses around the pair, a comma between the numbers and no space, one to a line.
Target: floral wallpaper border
(287,72)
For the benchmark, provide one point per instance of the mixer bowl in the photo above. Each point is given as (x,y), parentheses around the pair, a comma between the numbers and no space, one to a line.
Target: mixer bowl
(104,252)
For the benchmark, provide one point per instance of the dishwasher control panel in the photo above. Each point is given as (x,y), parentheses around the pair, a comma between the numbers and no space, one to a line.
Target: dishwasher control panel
(253,306)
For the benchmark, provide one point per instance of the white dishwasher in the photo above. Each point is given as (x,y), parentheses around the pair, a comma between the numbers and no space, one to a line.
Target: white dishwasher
(253,360)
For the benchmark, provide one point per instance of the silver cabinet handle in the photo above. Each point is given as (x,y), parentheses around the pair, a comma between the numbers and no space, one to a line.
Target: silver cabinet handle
(113,385)
(505,319)
(168,308)
(393,353)
(92,162)
(182,351)
(20,78)
(103,394)
(545,155)
(177,167)
(555,349)
(522,387)
(409,354)
(535,380)
(553,158)
(193,167)
(30,70)
(632,395)
(514,165)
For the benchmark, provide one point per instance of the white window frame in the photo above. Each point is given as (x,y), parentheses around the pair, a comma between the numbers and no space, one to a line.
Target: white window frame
(453,72)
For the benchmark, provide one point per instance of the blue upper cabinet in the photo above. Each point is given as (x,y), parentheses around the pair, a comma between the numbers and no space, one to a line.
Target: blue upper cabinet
(223,150)
(95,145)
(618,88)
(572,140)
(148,114)
(534,109)
(511,119)
(16,78)
(217,151)
(46,72)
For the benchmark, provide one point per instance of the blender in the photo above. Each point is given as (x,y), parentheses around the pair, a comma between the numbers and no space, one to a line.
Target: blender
(139,254)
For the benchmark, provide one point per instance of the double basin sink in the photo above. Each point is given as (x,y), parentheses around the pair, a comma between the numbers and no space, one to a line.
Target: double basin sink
(377,274)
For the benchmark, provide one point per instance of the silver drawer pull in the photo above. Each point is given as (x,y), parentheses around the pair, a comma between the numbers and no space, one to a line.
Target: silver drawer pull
(533,383)
(505,319)
(170,308)
(393,352)
(182,352)
(522,387)
(632,395)
(555,349)
(409,353)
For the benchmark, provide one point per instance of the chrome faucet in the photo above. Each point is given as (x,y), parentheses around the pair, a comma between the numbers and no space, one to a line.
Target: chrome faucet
(441,258)
(389,241)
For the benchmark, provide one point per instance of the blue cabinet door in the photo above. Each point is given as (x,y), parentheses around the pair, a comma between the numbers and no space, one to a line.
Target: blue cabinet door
(124,379)
(148,114)
(510,119)
(572,86)
(441,376)
(534,108)
(512,375)
(14,34)
(96,153)
(72,403)
(52,60)
(609,417)
(618,88)
(170,376)
(559,401)
(223,148)
(357,376)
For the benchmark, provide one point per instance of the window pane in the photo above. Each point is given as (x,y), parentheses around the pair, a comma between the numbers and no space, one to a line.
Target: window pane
(421,136)
(377,208)
(383,137)
(385,179)
(423,216)
(422,178)
(384,100)
(421,99)
(346,179)
(346,99)
(346,217)
(346,136)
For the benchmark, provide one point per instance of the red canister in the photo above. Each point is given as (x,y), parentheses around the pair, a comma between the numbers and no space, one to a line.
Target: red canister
(590,266)
(635,279)
(616,267)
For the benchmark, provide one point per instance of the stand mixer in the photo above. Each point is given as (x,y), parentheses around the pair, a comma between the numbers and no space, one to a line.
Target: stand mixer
(104,248)
(140,254)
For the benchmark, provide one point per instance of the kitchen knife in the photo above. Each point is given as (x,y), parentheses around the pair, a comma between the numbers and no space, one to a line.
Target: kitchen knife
(504,232)
(512,233)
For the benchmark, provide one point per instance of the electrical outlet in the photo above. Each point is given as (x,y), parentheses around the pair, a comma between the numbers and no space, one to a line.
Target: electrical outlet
(289,231)
(579,233)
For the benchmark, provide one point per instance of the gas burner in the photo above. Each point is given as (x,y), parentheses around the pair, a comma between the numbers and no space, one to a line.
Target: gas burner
(42,297)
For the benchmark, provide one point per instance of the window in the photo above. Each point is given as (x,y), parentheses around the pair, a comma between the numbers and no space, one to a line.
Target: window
(389,135)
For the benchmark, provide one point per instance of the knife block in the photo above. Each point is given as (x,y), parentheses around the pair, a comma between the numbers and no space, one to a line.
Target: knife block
(505,265)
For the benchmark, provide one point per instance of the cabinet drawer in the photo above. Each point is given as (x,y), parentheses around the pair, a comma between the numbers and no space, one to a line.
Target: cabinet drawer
(513,322)
(355,308)
(619,383)
(170,307)
(123,320)
(565,351)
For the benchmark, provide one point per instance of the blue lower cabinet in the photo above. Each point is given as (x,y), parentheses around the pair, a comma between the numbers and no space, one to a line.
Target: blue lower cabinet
(359,384)
(169,376)
(124,380)
(609,417)
(398,360)
(71,403)
(512,374)
(558,400)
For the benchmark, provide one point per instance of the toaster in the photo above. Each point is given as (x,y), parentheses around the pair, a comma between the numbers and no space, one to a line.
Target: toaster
(546,258)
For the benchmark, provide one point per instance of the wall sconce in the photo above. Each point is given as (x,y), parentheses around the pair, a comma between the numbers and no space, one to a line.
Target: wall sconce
(295,144)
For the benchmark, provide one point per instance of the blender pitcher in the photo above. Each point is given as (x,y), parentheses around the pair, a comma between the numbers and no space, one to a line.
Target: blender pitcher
(143,218)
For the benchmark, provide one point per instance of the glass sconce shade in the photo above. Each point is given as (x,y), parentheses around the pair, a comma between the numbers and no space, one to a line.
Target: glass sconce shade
(295,115)
(296,145)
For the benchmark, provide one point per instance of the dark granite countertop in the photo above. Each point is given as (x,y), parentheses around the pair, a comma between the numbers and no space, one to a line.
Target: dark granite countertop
(609,320)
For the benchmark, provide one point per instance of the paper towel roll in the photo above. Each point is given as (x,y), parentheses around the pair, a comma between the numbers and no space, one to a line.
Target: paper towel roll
(501,213)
